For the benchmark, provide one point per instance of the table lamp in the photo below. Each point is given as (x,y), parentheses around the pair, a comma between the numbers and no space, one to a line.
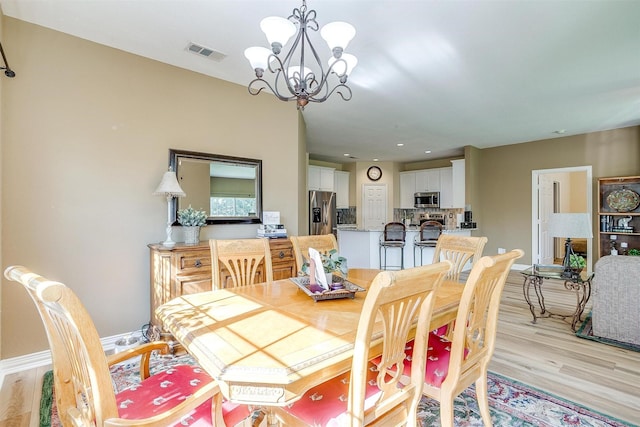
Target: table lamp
(569,225)
(169,188)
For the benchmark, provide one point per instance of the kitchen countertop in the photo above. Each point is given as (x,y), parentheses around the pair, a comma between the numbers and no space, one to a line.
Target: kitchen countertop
(409,228)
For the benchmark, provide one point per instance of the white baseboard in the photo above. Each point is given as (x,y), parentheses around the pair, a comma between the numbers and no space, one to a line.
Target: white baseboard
(43,358)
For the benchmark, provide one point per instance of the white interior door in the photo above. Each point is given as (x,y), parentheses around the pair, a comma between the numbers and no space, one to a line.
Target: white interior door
(374,206)
(545,208)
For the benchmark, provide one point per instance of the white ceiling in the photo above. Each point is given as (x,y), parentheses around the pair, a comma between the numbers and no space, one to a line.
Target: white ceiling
(433,75)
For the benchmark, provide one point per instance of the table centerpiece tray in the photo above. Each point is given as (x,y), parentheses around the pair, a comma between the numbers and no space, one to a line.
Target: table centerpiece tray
(349,290)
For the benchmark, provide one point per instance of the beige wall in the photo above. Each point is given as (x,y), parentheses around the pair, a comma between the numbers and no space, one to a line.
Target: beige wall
(86,131)
(2,80)
(501,179)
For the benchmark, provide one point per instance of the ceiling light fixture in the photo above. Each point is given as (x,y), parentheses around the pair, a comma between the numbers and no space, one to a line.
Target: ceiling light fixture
(294,80)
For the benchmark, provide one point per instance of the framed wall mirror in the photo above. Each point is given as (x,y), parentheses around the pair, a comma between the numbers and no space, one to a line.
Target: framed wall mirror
(228,188)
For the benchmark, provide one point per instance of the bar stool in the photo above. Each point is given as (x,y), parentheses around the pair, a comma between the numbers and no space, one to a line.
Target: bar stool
(428,236)
(392,237)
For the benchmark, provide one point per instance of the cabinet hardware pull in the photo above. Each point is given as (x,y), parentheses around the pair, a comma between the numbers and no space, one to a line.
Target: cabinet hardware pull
(198,263)
(281,254)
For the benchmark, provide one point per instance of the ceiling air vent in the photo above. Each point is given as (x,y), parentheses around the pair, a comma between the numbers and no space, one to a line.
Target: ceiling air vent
(206,52)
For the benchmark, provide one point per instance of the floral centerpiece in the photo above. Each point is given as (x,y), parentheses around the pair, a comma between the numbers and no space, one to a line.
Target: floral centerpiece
(192,219)
(331,261)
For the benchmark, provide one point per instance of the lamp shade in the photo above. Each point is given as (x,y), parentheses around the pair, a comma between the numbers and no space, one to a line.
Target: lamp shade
(570,225)
(169,186)
(338,34)
(277,29)
(339,68)
(294,74)
(258,57)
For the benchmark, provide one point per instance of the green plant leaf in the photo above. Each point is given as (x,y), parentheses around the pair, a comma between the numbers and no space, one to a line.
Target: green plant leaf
(190,217)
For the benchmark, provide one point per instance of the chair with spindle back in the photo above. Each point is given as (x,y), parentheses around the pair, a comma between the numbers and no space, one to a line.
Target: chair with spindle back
(181,395)
(240,262)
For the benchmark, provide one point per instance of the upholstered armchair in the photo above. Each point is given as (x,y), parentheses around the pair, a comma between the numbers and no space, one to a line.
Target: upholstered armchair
(616,298)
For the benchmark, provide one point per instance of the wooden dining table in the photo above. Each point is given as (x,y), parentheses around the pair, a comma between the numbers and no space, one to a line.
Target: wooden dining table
(266,344)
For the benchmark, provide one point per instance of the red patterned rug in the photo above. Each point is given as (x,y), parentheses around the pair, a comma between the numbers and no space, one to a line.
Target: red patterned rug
(513,404)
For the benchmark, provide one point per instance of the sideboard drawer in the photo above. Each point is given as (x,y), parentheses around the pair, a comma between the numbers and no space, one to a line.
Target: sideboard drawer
(194,262)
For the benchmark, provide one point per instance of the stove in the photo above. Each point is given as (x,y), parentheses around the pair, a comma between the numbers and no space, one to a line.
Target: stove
(438,217)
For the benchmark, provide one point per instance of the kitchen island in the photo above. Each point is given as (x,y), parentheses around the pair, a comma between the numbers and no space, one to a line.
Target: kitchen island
(361,248)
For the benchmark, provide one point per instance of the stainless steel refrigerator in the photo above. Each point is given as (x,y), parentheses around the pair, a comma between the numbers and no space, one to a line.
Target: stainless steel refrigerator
(322,212)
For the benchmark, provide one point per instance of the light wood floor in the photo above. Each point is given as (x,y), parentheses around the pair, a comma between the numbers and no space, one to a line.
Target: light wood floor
(546,355)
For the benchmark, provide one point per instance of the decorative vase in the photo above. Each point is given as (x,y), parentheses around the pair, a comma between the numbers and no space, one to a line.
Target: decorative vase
(191,235)
(329,277)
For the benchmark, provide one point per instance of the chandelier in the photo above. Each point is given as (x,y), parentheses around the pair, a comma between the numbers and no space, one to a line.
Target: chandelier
(293,79)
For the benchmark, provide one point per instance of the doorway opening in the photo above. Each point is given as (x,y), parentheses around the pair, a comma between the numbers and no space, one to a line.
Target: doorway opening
(559,190)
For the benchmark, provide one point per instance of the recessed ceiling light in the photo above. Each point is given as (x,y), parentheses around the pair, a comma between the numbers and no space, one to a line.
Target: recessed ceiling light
(375,160)
(427,152)
(346,154)
(400,144)
(560,131)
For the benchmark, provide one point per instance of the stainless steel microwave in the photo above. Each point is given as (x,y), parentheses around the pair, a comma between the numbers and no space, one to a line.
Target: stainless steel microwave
(430,199)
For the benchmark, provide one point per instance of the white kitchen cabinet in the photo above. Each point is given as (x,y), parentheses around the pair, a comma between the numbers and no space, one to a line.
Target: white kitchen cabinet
(427,180)
(458,183)
(407,189)
(446,188)
(341,186)
(320,178)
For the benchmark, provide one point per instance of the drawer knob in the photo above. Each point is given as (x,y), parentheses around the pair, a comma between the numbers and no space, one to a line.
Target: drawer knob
(281,254)
(198,263)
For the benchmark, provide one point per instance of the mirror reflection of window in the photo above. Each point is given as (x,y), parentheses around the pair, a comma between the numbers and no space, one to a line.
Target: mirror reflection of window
(233,190)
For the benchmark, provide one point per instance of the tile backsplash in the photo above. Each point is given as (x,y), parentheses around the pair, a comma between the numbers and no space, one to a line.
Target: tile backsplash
(347,216)
(400,215)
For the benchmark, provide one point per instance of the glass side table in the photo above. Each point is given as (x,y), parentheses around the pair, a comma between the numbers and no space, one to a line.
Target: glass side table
(535,275)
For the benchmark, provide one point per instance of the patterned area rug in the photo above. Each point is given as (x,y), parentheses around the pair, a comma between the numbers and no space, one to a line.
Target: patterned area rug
(586,332)
(513,404)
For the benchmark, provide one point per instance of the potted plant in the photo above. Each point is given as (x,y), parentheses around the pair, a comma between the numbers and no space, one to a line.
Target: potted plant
(191,220)
(331,262)
(634,252)
(577,262)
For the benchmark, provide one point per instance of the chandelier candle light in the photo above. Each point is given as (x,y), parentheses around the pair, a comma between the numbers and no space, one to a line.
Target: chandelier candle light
(169,188)
(294,80)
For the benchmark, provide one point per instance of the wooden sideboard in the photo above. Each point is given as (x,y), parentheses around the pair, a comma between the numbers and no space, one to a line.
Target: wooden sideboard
(186,269)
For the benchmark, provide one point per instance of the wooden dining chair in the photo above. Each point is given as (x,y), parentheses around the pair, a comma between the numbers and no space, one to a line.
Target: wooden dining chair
(459,250)
(84,393)
(323,243)
(369,393)
(240,262)
(453,365)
